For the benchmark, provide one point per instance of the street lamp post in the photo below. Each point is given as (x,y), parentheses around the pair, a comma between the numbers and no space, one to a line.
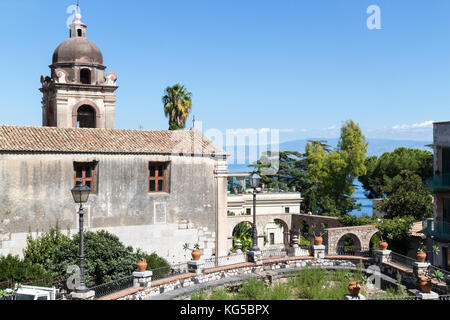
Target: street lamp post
(80,195)
(254,180)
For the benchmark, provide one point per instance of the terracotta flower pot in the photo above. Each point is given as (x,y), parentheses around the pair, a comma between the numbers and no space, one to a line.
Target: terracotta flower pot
(318,241)
(421,256)
(425,284)
(383,245)
(141,265)
(196,254)
(354,288)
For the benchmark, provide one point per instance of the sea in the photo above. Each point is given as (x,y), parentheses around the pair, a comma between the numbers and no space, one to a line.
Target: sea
(366,203)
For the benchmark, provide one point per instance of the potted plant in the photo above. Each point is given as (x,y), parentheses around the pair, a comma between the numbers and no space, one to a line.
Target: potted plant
(421,253)
(142,263)
(354,287)
(425,284)
(195,251)
(383,244)
(318,235)
(438,275)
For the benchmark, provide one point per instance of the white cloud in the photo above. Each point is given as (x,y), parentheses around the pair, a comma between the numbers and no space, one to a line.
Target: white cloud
(415,126)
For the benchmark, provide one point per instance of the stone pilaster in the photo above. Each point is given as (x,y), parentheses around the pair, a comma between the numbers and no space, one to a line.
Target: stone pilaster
(196,266)
(142,279)
(382,256)
(255,257)
(318,251)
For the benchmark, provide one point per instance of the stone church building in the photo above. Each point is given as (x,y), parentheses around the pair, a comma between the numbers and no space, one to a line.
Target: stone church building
(155,190)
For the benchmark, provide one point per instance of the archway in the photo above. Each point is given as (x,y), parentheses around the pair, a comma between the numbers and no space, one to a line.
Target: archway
(276,233)
(86,117)
(243,232)
(348,244)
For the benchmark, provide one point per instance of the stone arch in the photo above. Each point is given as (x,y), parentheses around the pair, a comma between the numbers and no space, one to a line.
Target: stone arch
(362,234)
(343,247)
(284,237)
(90,104)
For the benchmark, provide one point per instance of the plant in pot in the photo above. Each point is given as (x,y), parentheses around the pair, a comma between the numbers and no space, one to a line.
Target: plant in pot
(141,263)
(195,251)
(318,235)
(354,286)
(438,275)
(421,253)
(383,244)
(425,284)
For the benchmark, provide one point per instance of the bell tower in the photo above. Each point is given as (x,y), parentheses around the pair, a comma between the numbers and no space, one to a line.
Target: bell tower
(78,94)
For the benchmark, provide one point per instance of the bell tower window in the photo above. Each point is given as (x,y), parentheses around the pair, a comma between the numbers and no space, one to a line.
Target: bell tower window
(80,33)
(86,117)
(85,76)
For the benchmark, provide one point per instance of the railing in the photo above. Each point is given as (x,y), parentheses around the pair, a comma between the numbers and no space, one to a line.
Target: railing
(433,270)
(113,286)
(402,260)
(352,251)
(438,229)
(234,258)
(444,297)
(396,298)
(169,271)
(274,253)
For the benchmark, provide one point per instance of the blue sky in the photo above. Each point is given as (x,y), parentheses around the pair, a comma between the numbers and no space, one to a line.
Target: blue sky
(300,66)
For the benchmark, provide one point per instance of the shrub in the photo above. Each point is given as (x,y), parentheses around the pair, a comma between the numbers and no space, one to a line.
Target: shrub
(13,269)
(106,258)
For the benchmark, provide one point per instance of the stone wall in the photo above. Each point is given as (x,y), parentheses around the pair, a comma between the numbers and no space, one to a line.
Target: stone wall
(35,195)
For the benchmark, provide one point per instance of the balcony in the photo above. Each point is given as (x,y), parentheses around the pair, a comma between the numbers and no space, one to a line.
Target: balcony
(438,183)
(436,229)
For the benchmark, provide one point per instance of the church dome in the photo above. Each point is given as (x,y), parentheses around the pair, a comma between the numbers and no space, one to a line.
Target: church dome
(78,49)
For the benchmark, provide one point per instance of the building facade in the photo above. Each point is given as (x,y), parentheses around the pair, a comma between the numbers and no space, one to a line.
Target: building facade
(155,190)
(437,229)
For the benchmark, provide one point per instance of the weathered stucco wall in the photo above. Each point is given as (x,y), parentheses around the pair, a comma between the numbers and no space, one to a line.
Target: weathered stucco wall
(35,194)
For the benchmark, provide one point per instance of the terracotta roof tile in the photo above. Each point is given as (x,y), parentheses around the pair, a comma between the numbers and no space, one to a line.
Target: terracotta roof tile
(70,140)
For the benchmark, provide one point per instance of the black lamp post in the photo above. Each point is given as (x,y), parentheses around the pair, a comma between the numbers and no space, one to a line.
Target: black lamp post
(80,195)
(254,180)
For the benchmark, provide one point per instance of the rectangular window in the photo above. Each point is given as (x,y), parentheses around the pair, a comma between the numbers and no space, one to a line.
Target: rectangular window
(85,172)
(249,211)
(445,160)
(272,238)
(158,177)
(446,210)
(286,209)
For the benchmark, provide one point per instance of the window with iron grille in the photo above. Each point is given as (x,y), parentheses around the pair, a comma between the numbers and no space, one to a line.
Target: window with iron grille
(85,172)
(158,177)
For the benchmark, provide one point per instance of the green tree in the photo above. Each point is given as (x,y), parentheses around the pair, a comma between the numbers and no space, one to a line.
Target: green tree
(396,232)
(42,249)
(177,106)
(13,269)
(333,172)
(406,197)
(324,176)
(381,171)
(106,258)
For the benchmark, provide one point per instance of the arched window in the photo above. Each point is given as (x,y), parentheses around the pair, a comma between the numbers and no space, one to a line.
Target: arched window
(85,76)
(86,117)
(80,33)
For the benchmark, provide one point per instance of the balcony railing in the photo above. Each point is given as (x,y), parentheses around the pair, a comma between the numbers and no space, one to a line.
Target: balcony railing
(437,229)
(438,183)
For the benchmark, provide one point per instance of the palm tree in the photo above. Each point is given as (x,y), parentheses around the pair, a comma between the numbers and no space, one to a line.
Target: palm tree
(177,106)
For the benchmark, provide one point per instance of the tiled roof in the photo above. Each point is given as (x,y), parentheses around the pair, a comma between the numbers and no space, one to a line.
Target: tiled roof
(70,140)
